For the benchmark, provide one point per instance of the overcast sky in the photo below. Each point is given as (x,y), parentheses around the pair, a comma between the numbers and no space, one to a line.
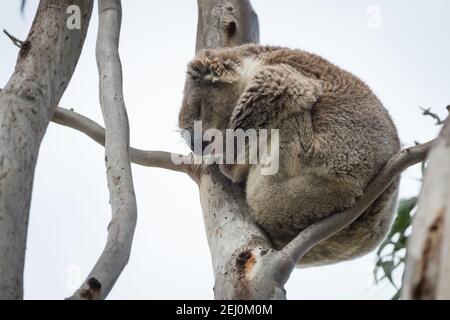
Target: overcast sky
(399,48)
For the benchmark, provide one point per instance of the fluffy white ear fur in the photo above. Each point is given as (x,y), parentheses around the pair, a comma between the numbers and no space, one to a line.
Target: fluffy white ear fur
(212,69)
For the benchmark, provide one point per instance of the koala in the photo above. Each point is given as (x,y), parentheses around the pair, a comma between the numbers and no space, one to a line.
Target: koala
(334,137)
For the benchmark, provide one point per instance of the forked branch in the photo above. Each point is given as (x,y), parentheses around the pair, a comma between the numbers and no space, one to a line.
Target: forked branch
(428,112)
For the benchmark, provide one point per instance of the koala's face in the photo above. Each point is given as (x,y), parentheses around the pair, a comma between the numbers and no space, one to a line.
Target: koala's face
(211,92)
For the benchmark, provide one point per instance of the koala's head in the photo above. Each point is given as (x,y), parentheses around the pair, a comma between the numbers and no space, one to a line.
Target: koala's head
(215,80)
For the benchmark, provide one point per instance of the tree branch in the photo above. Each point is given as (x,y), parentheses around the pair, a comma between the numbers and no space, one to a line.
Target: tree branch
(116,254)
(157,159)
(326,228)
(427,112)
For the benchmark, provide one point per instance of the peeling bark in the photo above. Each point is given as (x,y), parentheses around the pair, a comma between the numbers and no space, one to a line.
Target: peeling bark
(45,65)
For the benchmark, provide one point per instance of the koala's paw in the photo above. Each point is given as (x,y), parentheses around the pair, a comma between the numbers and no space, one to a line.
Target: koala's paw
(302,92)
(274,93)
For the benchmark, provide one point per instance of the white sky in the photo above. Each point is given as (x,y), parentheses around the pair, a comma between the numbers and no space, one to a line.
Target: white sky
(404,56)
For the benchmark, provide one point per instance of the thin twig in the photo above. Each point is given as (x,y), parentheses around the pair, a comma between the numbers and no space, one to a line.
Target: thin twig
(427,112)
(18,43)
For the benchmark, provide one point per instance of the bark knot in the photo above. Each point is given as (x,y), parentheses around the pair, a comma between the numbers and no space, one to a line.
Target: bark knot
(93,290)
(245,262)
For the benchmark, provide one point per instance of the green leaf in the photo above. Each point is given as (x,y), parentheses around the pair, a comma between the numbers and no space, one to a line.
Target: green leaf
(388,268)
(390,255)
(403,220)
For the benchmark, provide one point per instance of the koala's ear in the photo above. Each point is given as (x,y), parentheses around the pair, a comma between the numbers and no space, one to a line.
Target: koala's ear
(211,68)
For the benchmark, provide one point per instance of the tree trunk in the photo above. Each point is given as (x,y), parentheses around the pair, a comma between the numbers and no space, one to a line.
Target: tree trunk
(244,263)
(427,271)
(226,24)
(45,65)
(239,248)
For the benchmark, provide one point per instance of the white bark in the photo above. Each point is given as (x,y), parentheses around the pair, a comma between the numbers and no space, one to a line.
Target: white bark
(117,158)
(44,68)
(244,264)
(427,271)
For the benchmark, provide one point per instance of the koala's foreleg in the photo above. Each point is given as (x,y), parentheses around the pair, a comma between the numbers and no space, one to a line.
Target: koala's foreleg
(273,94)
(276,94)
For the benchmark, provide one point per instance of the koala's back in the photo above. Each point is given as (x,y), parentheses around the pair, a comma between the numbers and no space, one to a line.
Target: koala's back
(353,137)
